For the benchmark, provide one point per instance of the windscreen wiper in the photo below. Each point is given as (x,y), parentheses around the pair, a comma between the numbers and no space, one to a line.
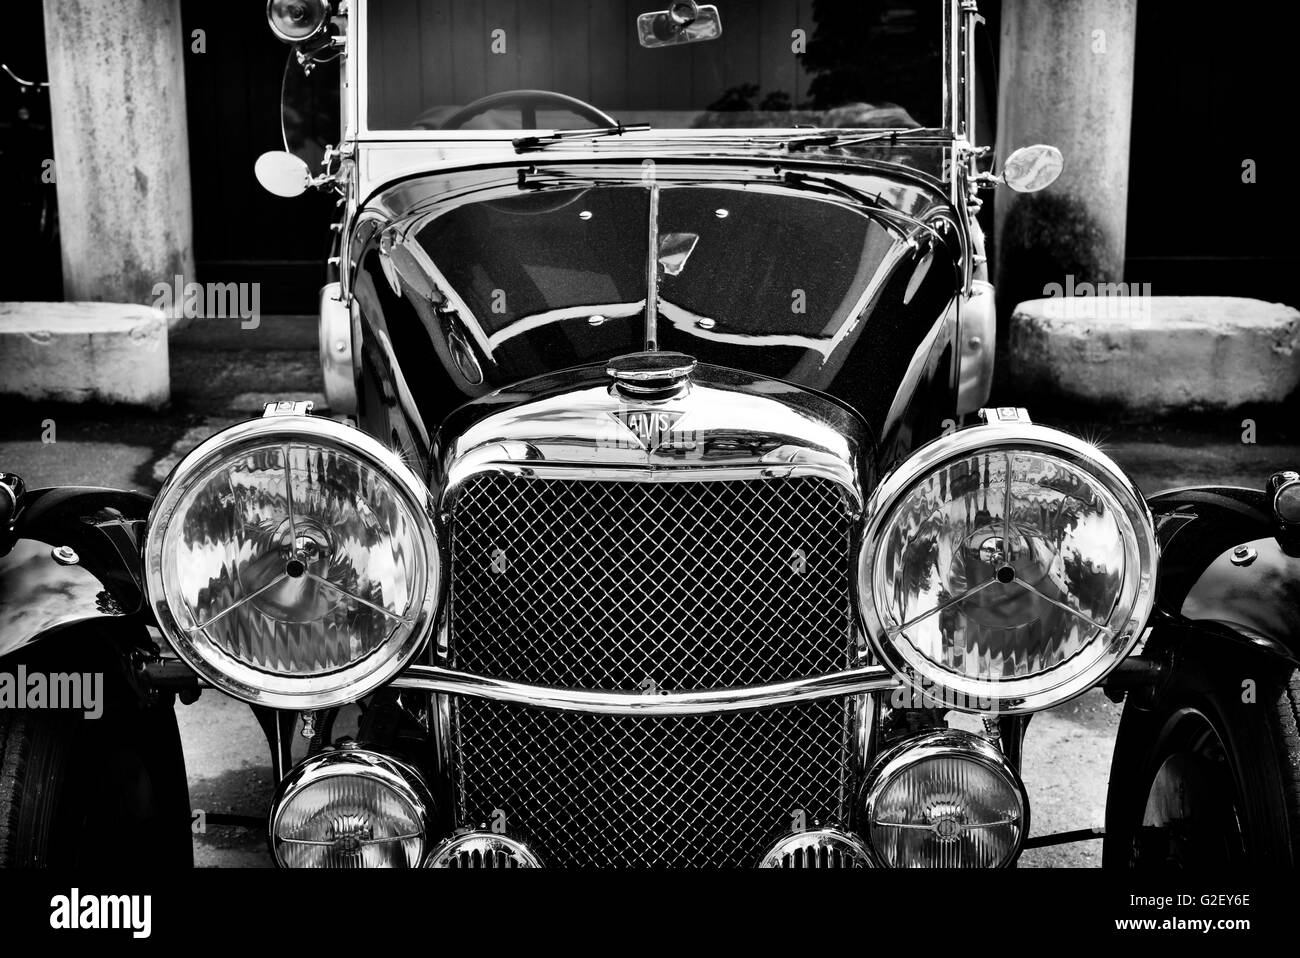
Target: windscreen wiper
(526,143)
(837,138)
(890,216)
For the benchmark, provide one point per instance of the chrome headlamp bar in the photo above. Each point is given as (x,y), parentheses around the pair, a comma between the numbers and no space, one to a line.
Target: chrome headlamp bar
(444,681)
(431,678)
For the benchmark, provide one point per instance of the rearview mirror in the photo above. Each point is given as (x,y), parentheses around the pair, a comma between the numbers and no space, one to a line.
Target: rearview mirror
(282,174)
(1032,168)
(685,21)
(674,250)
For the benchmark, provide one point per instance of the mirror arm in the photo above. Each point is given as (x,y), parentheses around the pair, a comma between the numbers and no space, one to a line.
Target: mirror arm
(329,176)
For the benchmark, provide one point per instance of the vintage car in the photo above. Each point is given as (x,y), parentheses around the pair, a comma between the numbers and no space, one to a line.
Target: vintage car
(658,519)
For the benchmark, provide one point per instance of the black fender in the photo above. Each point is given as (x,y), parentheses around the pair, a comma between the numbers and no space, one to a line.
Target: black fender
(72,559)
(72,600)
(1226,571)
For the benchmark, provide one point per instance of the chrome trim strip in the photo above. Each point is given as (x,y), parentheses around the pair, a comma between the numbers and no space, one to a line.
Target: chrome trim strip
(970,16)
(651,339)
(335,339)
(622,474)
(433,678)
(951,78)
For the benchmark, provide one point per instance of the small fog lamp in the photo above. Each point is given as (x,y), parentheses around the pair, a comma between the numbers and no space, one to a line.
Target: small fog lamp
(946,799)
(351,808)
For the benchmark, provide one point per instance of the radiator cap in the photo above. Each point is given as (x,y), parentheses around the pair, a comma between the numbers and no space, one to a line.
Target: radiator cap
(649,373)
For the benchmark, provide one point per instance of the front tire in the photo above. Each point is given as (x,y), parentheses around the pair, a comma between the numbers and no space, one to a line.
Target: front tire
(1208,774)
(105,792)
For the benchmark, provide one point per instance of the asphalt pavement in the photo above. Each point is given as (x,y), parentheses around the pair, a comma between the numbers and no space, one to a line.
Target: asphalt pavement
(220,378)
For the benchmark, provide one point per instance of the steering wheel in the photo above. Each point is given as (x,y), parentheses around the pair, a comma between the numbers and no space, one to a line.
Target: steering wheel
(528,102)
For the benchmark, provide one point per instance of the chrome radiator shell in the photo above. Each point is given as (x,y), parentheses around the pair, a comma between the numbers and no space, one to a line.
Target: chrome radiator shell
(740,489)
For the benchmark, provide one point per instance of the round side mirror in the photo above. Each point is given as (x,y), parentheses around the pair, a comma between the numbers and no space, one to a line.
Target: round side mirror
(295,21)
(282,174)
(1032,168)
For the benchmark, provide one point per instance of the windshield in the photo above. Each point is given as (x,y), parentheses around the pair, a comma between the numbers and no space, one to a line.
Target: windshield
(558,277)
(537,64)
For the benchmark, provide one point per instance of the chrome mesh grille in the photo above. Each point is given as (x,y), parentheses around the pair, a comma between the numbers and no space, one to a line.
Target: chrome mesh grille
(665,792)
(650,586)
(637,585)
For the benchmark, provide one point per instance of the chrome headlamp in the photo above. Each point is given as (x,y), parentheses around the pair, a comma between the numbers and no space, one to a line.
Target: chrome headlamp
(1006,567)
(292,562)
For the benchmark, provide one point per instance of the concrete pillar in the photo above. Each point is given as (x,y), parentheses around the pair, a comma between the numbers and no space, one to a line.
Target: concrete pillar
(121,150)
(1066,78)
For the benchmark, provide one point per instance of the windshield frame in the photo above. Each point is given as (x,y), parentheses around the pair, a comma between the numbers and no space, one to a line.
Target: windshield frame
(956,78)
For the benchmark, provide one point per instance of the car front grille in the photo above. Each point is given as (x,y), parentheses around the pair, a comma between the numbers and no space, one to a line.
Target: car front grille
(650,586)
(585,790)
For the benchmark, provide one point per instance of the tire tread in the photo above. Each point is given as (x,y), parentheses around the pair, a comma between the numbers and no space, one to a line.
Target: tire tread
(15,744)
(1287,709)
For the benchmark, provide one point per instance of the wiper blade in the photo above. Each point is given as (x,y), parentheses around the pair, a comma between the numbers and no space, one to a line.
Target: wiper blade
(889,215)
(832,138)
(526,143)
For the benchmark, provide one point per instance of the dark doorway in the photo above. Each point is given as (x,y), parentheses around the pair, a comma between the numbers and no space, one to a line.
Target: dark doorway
(242,233)
(1213,93)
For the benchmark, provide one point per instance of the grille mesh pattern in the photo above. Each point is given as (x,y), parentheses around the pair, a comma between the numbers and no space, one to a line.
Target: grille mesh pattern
(633,585)
(638,586)
(589,790)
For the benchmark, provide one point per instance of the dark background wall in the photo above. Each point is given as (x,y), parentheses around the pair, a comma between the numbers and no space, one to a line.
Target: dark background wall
(1214,87)
(435,53)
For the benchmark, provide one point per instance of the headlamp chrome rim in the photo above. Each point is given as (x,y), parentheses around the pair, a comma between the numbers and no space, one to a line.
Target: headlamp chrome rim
(939,743)
(390,773)
(258,687)
(1043,690)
